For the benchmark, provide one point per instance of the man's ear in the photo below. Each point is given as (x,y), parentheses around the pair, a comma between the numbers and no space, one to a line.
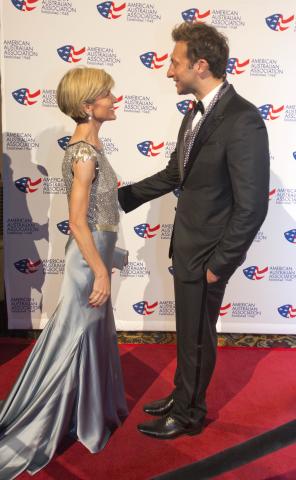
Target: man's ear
(201,66)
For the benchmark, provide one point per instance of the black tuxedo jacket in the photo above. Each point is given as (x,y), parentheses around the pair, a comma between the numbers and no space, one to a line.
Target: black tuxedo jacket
(224,189)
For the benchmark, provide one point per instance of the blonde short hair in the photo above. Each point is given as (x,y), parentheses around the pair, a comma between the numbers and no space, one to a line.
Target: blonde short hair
(79,86)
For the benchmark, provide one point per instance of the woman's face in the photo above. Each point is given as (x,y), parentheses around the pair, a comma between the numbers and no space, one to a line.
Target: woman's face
(102,109)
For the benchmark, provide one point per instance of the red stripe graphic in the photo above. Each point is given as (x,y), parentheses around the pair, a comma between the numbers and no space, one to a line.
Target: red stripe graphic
(149,230)
(283,21)
(203,15)
(116,9)
(224,309)
(155,147)
(259,274)
(273,111)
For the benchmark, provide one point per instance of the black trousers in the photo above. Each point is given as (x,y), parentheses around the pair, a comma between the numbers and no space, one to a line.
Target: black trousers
(197,311)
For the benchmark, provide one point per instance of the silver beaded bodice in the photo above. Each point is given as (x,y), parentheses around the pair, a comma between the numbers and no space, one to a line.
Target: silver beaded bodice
(103,201)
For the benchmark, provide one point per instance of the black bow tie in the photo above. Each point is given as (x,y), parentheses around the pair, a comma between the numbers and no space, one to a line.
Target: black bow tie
(199,107)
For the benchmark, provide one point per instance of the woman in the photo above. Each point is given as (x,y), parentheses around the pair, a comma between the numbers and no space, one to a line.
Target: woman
(72,383)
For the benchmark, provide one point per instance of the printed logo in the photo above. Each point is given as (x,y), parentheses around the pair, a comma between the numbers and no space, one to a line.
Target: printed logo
(63,141)
(294,155)
(224,309)
(268,112)
(24,97)
(135,270)
(152,61)
(291,236)
(69,54)
(25,265)
(21,226)
(193,15)
(143,308)
(118,100)
(64,227)
(287,311)
(185,106)
(23,304)
(26,185)
(25,5)
(235,67)
(145,231)
(278,23)
(283,196)
(20,141)
(254,273)
(290,113)
(139,104)
(227,19)
(260,236)
(109,11)
(148,148)
(19,49)
(265,67)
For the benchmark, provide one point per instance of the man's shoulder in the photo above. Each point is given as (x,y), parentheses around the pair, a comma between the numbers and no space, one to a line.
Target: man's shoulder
(240,104)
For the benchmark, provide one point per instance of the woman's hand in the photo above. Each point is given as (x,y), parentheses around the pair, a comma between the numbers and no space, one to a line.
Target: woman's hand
(101,289)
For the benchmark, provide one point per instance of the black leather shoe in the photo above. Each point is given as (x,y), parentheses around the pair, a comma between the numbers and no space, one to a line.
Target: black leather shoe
(159,407)
(168,427)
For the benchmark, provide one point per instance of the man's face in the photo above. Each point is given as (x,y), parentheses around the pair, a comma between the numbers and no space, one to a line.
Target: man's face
(181,71)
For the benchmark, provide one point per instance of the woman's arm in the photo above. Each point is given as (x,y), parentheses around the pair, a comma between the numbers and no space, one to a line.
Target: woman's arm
(84,173)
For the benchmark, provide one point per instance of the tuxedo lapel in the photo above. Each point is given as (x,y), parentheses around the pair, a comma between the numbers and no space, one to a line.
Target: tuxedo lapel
(207,129)
(180,145)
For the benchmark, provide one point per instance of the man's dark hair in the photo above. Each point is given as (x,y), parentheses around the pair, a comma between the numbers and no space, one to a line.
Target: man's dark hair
(204,41)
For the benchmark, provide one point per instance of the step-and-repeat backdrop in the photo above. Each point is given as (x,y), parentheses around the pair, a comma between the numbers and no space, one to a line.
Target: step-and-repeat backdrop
(41,40)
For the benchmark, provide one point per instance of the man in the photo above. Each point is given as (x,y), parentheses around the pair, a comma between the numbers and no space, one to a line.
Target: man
(221,165)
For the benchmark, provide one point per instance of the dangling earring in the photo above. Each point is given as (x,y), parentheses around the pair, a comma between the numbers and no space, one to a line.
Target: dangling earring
(89,118)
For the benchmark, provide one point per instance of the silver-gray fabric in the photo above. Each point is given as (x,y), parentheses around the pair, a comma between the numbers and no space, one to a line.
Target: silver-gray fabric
(103,201)
(72,380)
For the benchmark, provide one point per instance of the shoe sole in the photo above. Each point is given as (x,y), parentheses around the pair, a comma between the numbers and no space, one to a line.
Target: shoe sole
(191,433)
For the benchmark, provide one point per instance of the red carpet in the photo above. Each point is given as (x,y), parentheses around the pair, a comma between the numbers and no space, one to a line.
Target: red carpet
(253,390)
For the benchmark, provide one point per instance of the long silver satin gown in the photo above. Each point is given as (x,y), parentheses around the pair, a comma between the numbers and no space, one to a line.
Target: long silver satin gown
(72,381)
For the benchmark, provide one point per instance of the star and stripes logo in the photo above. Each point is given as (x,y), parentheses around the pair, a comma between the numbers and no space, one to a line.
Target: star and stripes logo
(255,273)
(118,101)
(63,141)
(69,54)
(287,311)
(143,307)
(148,148)
(290,235)
(110,11)
(272,193)
(193,15)
(64,227)
(144,230)
(25,265)
(278,23)
(224,309)
(185,106)
(25,5)
(235,67)
(268,112)
(24,97)
(26,185)
(152,61)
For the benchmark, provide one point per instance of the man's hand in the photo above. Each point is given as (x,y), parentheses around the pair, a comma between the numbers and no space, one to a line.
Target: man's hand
(211,277)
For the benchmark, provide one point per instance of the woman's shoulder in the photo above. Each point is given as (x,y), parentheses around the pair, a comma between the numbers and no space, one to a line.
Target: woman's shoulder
(82,151)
